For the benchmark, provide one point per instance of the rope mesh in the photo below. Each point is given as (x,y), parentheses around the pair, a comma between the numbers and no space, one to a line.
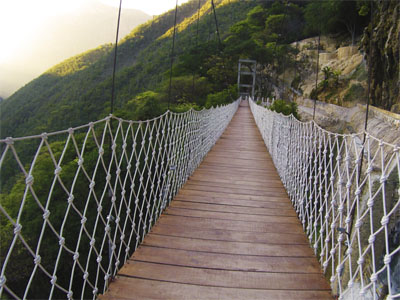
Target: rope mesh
(84,200)
(349,207)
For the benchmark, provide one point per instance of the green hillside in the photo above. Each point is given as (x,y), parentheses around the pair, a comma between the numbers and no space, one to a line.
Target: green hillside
(204,73)
(78,90)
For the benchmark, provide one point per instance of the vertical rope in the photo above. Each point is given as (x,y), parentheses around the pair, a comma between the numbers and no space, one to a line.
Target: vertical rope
(197,42)
(216,25)
(276,44)
(316,76)
(172,56)
(115,58)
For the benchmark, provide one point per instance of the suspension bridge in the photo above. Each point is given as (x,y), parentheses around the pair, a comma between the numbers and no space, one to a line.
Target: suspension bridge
(95,216)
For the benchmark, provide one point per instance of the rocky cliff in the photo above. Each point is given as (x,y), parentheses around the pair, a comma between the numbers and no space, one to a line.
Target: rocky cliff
(381,43)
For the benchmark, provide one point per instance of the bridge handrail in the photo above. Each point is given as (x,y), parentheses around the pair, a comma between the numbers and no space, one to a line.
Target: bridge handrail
(346,195)
(93,192)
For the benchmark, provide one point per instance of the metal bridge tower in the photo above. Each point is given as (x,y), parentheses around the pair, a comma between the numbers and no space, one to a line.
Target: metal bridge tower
(246,68)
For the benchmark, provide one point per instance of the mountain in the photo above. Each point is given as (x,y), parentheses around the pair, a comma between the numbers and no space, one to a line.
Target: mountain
(78,90)
(63,36)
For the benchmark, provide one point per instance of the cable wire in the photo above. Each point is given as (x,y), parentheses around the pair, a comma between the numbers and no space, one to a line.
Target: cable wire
(172,56)
(115,58)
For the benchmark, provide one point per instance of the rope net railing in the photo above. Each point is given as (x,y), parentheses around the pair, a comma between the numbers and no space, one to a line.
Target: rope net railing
(74,210)
(346,194)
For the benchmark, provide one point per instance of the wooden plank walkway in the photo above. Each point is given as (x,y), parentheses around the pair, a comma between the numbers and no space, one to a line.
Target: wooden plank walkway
(230,233)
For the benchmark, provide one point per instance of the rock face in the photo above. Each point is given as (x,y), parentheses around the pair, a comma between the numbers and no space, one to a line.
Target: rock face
(381,123)
(337,57)
(383,36)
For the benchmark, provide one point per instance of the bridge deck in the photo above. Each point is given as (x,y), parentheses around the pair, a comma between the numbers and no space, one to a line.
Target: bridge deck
(230,233)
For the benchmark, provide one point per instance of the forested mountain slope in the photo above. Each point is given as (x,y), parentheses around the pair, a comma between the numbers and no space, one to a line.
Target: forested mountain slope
(79,89)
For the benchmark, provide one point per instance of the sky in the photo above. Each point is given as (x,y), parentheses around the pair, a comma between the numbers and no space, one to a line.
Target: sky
(23,21)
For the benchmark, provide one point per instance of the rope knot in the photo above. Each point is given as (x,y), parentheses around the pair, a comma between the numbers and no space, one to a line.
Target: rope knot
(92,184)
(9,141)
(371,239)
(350,283)
(18,228)
(57,171)
(359,224)
(53,280)
(385,220)
(70,294)
(46,214)
(85,275)
(61,241)
(76,256)
(339,269)
(387,259)
(29,180)
(44,136)
(37,259)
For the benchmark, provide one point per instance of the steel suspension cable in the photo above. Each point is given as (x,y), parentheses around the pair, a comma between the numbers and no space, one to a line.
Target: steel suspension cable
(316,76)
(115,58)
(197,42)
(172,55)
(216,25)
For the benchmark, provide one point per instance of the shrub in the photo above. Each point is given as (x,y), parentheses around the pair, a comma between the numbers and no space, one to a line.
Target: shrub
(281,106)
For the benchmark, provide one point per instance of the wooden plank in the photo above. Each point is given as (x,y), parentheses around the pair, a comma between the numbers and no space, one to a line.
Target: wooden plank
(273,193)
(234,209)
(224,278)
(176,211)
(217,181)
(231,235)
(256,180)
(270,202)
(232,262)
(234,189)
(227,247)
(124,288)
(271,227)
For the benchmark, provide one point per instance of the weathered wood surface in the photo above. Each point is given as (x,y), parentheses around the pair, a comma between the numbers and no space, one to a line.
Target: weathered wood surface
(230,233)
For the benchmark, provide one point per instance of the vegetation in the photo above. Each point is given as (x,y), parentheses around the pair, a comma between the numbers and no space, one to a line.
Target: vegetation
(203,75)
(281,106)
